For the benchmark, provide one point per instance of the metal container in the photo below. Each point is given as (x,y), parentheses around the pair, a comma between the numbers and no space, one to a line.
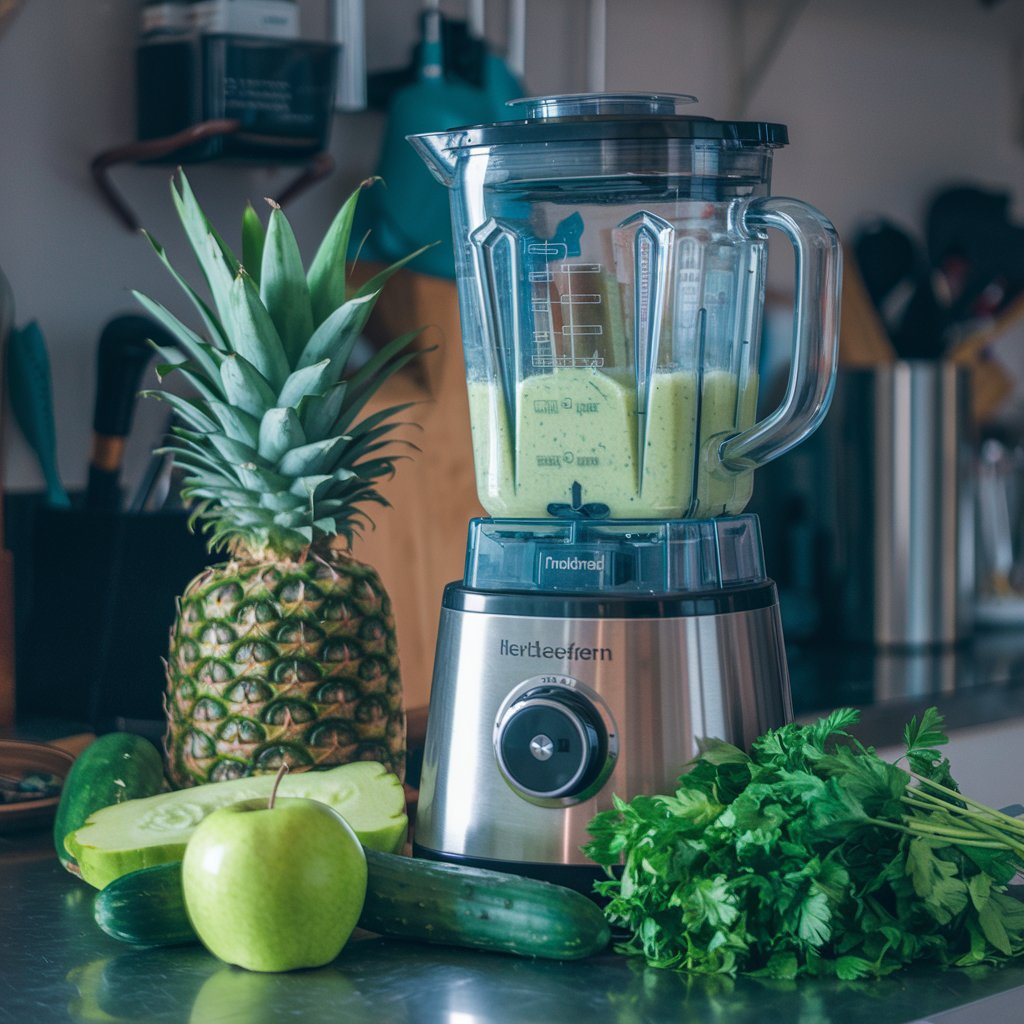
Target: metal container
(899,458)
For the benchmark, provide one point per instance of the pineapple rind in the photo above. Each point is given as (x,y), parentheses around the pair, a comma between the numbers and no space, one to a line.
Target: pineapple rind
(288,685)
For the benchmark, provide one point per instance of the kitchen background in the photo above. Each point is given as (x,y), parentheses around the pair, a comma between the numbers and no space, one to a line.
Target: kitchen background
(885,102)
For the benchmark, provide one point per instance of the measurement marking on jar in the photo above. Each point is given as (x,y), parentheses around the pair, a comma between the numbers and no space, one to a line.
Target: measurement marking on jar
(548,250)
(570,299)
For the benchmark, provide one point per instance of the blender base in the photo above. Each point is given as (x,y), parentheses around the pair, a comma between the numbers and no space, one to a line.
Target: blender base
(546,702)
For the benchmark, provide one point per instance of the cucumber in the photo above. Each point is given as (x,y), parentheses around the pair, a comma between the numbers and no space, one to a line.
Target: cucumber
(145,907)
(405,898)
(455,905)
(115,767)
(141,833)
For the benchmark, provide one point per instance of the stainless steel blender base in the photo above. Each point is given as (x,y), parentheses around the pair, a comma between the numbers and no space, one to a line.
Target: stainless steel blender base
(537,719)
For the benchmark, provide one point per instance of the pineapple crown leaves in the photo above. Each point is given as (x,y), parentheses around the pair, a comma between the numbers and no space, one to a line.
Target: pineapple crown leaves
(275,456)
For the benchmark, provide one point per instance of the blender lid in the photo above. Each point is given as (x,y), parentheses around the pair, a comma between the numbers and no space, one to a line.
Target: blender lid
(587,117)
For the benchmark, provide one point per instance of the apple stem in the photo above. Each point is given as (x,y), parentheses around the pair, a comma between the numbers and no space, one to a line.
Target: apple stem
(277,782)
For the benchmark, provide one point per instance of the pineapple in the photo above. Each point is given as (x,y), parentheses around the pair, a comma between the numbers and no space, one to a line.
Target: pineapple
(286,651)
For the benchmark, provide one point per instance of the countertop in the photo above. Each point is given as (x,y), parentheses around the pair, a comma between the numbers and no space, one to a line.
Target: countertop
(56,965)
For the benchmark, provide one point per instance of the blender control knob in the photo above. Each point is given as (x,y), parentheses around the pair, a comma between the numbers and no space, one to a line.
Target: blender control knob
(551,743)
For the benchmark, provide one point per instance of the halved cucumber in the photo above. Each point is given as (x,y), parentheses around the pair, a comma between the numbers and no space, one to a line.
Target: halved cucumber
(114,768)
(154,830)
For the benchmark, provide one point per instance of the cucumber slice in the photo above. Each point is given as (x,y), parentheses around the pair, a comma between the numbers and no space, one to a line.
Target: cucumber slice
(154,830)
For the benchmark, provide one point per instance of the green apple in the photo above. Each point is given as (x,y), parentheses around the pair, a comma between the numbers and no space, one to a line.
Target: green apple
(274,887)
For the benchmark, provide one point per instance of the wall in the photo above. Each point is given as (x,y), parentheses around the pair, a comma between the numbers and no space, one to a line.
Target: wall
(885,102)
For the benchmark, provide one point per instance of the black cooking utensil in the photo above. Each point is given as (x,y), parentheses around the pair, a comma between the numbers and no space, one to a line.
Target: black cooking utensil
(976,249)
(887,261)
(123,353)
(898,279)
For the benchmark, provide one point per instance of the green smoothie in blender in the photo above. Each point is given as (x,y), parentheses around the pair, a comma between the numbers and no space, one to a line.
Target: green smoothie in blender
(581,425)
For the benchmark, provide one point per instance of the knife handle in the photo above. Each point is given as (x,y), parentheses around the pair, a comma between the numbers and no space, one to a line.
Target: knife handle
(103,488)
(123,353)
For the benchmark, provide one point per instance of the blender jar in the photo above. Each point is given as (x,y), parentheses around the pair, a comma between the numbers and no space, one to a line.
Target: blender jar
(610,260)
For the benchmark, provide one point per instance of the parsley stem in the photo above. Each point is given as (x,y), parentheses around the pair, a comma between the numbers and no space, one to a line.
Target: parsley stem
(950,832)
(915,827)
(980,825)
(892,825)
(928,802)
(934,804)
(955,840)
(982,812)
(1015,845)
(1004,820)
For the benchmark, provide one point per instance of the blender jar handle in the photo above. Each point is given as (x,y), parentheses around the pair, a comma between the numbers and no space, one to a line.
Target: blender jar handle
(815,333)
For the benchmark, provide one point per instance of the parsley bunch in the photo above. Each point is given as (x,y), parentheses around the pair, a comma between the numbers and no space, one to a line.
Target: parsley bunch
(813,856)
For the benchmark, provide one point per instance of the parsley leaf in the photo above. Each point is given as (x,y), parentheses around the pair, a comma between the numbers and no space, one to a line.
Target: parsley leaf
(921,741)
(811,855)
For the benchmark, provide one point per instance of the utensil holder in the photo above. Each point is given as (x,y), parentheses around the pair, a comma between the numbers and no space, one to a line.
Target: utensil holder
(98,593)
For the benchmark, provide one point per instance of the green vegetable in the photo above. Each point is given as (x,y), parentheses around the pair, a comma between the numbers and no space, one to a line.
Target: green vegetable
(140,833)
(813,856)
(115,767)
(146,907)
(405,898)
(463,906)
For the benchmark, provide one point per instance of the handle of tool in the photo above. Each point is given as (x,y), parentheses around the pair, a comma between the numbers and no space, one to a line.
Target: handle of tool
(124,352)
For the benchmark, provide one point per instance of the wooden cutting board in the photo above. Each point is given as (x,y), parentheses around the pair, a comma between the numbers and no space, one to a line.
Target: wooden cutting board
(863,341)
(419,543)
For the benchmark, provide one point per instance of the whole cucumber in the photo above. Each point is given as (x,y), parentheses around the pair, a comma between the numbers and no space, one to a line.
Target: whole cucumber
(454,905)
(146,907)
(405,898)
(115,767)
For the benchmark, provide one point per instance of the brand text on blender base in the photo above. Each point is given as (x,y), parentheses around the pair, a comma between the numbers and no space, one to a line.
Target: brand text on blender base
(534,649)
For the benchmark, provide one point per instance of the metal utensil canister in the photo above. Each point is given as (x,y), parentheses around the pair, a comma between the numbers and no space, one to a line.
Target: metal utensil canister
(898,438)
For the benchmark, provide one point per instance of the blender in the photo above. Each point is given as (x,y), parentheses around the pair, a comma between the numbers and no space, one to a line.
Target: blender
(610,261)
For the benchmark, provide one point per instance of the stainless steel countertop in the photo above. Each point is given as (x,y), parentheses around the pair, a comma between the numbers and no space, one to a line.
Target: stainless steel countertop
(56,965)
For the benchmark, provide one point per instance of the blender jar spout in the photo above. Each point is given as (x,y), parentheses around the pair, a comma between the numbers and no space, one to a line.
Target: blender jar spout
(439,151)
